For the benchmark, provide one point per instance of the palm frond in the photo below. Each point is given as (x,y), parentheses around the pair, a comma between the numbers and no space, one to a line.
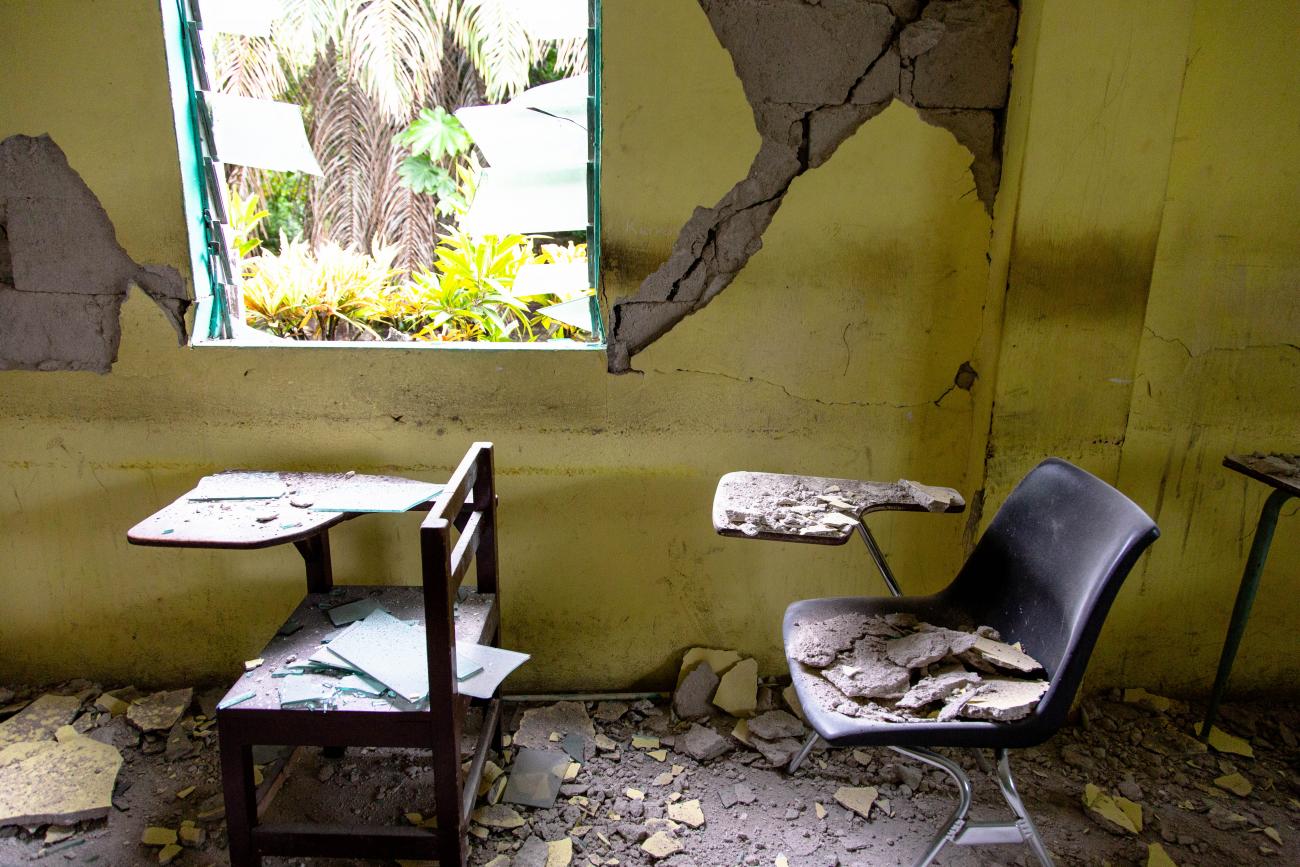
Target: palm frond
(393,48)
(497,44)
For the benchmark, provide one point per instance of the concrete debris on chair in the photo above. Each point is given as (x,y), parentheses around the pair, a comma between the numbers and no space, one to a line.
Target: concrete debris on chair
(894,668)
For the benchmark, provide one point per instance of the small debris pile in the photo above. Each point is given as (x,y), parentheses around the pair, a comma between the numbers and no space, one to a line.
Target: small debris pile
(894,668)
(756,503)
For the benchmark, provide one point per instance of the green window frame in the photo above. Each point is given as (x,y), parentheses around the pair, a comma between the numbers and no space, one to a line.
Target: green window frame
(212,263)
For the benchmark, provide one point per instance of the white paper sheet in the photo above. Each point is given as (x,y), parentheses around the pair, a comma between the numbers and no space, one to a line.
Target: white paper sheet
(550,19)
(528,202)
(497,666)
(237,485)
(363,494)
(260,133)
(514,137)
(245,17)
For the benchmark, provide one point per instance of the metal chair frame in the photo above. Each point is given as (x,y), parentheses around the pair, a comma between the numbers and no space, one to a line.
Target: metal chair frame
(958,830)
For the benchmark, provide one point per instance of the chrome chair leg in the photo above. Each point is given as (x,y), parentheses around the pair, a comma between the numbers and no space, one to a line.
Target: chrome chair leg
(803,752)
(1023,822)
(952,829)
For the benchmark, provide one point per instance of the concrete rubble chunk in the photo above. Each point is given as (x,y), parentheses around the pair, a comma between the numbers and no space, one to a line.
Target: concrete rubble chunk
(924,648)
(497,816)
(868,673)
(39,720)
(563,717)
(1001,655)
(737,692)
(610,711)
(1222,742)
(63,781)
(937,687)
(1235,783)
(156,835)
(687,812)
(1116,814)
(719,660)
(817,643)
(693,698)
(1151,701)
(1158,857)
(703,743)
(1004,699)
(780,751)
(660,845)
(775,724)
(859,799)
(160,711)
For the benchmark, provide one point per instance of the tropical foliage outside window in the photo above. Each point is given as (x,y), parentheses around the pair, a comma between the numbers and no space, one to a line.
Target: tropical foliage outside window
(407,234)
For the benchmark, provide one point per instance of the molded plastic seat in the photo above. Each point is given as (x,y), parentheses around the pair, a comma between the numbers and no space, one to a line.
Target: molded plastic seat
(1044,573)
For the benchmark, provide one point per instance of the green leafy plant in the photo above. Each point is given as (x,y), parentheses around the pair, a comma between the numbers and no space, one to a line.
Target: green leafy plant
(328,294)
(245,217)
(436,140)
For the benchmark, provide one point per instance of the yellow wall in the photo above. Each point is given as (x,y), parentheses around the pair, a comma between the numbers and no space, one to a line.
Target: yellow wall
(610,563)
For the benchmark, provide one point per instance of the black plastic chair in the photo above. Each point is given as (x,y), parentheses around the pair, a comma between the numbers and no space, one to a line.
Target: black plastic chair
(1045,573)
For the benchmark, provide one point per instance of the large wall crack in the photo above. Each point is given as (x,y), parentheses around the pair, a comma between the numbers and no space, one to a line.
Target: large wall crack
(63,275)
(814,71)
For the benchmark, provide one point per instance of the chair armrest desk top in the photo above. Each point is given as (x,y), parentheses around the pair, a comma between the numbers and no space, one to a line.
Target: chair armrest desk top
(770,503)
(1278,471)
(188,523)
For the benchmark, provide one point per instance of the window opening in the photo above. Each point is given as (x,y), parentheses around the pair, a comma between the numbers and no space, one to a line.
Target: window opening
(410,172)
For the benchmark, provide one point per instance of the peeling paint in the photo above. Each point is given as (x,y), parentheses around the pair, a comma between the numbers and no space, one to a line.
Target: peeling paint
(813,74)
(63,275)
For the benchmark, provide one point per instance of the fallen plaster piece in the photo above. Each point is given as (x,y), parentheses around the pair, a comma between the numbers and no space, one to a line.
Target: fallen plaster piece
(1118,815)
(497,816)
(64,781)
(1235,783)
(813,74)
(687,812)
(1003,655)
(817,643)
(1158,857)
(859,799)
(660,845)
(1004,699)
(737,692)
(160,711)
(719,660)
(67,275)
(868,673)
(924,648)
(778,752)
(39,720)
(937,687)
(703,743)
(692,699)
(775,724)
(1222,742)
(564,717)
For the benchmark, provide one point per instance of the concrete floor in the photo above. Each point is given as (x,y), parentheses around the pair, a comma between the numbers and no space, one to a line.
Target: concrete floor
(753,814)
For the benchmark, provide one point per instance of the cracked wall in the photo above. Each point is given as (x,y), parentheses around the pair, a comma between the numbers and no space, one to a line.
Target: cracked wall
(63,275)
(813,72)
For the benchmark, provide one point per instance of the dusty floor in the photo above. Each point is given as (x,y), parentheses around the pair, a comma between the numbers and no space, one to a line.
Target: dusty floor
(753,814)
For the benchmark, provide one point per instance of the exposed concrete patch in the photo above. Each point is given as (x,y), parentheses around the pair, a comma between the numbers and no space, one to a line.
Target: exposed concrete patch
(63,275)
(814,73)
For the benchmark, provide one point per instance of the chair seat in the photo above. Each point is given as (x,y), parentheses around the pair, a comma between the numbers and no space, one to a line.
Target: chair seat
(476,620)
(842,730)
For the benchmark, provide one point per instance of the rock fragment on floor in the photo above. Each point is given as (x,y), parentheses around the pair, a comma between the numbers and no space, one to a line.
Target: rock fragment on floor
(69,779)
(39,720)
(868,672)
(702,743)
(564,717)
(737,692)
(694,695)
(160,711)
(1005,700)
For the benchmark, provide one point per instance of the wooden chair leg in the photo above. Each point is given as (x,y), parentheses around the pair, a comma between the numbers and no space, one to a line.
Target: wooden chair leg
(452,849)
(241,797)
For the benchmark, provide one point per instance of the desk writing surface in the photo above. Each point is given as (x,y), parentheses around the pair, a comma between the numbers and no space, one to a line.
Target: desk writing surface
(254,523)
(782,507)
(1276,470)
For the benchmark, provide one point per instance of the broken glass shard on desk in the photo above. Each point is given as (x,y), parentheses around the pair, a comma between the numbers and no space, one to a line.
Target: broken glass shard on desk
(238,485)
